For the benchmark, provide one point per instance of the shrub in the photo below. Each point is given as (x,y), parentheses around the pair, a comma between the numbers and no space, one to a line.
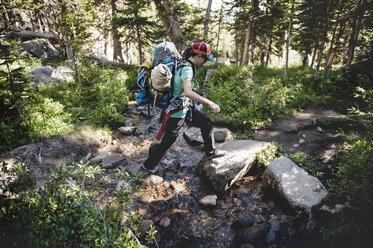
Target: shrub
(354,184)
(64,213)
(47,118)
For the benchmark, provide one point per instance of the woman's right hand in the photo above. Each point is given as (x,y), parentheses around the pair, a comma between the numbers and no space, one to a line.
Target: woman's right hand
(215,108)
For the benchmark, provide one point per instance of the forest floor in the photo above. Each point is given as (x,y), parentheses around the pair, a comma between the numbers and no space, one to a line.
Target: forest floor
(173,205)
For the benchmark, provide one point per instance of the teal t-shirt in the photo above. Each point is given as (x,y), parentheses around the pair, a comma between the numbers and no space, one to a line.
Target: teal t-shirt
(186,72)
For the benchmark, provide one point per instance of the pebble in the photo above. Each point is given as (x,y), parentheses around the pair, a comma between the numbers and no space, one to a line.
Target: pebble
(209,200)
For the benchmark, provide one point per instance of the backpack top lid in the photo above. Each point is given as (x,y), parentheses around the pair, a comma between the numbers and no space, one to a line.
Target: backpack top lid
(165,52)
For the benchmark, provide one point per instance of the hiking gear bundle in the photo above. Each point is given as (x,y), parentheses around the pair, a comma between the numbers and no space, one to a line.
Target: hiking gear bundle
(156,80)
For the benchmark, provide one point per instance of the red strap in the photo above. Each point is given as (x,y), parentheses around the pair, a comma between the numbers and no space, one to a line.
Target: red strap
(162,128)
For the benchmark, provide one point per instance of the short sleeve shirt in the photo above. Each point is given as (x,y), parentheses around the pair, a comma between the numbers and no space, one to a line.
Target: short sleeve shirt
(181,74)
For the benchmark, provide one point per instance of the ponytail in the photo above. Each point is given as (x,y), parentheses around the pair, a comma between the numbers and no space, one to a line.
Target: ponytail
(188,53)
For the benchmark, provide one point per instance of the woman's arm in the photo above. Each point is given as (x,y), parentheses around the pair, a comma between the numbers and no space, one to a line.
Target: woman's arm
(188,92)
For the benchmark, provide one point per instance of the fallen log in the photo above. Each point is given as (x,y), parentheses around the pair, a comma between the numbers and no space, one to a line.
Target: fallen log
(111,63)
(30,35)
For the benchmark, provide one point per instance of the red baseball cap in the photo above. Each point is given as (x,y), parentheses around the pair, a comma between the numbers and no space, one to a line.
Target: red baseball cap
(203,49)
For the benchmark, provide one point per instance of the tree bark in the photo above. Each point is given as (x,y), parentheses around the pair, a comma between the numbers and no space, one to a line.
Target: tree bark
(117,48)
(328,56)
(245,55)
(218,39)
(287,46)
(139,42)
(359,13)
(321,50)
(166,12)
(207,20)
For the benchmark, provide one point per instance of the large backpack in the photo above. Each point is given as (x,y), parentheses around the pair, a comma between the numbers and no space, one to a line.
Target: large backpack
(156,80)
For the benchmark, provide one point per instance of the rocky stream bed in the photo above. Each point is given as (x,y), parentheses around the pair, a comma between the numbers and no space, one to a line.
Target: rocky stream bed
(183,205)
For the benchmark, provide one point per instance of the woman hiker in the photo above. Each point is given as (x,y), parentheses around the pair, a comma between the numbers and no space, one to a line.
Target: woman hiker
(195,56)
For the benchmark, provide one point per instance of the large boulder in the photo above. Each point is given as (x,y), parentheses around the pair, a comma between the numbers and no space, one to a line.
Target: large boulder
(193,135)
(298,187)
(40,49)
(223,172)
(50,75)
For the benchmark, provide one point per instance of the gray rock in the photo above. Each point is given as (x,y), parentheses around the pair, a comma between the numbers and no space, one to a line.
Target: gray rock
(223,172)
(40,48)
(193,135)
(165,222)
(127,130)
(63,73)
(209,200)
(128,123)
(224,61)
(299,188)
(153,180)
(144,227)
(109,161)
(209,74)
(244,221)
(254,234)
(50,75)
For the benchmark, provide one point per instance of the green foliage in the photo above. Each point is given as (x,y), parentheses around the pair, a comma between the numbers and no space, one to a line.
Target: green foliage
(353,184)
(64,213)
(101,99)
(15,94)
(302,161)
(47,119)
(265,157)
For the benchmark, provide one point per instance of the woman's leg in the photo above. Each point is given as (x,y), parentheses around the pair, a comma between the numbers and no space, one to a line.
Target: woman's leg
(202,121)
(173,127)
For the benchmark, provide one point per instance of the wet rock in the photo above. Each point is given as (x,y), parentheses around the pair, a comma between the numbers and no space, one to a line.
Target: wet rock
(127,130)
(244,221)
(209,200)
(153,128)
(253,234)
(299,188)
(275,227)
(247,246)
(144,227)
(153,180)
(193,135)
(165,222)
(109,161)
(223,172)
(128,123)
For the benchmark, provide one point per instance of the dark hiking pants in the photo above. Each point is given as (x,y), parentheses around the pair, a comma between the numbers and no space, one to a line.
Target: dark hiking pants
(173,127)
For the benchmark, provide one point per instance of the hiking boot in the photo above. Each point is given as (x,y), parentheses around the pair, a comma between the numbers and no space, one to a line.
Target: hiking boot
(146,172)
(215,154)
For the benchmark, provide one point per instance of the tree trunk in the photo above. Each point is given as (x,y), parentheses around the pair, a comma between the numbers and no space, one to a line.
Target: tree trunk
(359,13)
(287,46)
(220,21)
(207,20)
(314,55)
(139,42)
(321,50)
(117,48)
(269,50)
(245,55)
(166,12)
(328,56)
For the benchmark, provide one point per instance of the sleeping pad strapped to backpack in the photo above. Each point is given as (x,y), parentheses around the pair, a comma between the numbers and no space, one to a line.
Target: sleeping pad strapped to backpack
(156,80)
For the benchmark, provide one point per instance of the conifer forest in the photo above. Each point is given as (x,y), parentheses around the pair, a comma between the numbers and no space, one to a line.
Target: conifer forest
(294,77)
